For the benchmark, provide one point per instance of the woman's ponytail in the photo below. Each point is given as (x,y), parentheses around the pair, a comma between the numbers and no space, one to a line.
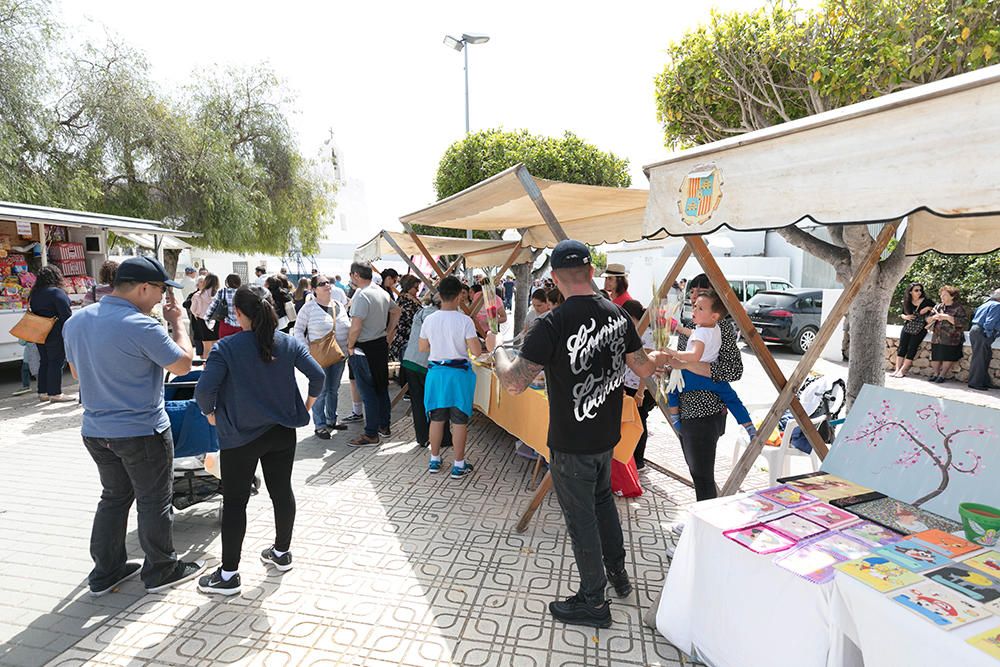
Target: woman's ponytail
(255,303)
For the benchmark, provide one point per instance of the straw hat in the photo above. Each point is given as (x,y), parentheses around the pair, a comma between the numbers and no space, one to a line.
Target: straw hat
(614,270)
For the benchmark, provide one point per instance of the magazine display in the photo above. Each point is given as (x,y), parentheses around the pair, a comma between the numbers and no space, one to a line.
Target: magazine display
(844,546)
(787,496)
(879,572)
(872,533)
(988,642)
(795,527)
(827,515)
(741,512)
(913,555)
(988,562)
(939,605)
(809,561)
(825,486)
(946,544)
(970,582)
(759,539)
(902,517)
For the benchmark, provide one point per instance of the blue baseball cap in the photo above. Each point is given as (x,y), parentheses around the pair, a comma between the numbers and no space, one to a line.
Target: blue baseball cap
(569,253)
(144,270)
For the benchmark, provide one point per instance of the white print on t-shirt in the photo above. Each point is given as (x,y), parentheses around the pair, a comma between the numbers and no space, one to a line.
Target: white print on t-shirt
(593,390)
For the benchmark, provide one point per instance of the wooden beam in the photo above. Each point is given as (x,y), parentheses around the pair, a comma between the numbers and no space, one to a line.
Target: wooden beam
(420,244)
(665,286)
(787,393)
(452,267)
(536,501)
(478,303)
(409,262)
(738,312)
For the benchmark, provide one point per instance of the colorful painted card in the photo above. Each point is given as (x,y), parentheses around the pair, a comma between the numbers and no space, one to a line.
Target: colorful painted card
(810,562)
(988,562)
(844,546)
(825,486)
(970,582)
(946,544)
(941,606)
(827,515)
(787,496)
(872,533)
(795,527)
(902,517)
(740,512)
(913,555)
(759,539)
(988,642)
(879,572)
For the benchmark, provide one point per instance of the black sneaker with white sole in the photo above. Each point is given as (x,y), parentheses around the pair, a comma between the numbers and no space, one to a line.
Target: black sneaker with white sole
(282,563)
(185,571)
(214,584)
(129,571)
(352,418)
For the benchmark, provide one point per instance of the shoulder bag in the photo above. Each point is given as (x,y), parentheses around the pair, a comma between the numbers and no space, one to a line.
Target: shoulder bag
(326,351)
(33,328)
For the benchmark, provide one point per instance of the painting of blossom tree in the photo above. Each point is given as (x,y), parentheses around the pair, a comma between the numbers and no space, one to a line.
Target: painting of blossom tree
(927,451)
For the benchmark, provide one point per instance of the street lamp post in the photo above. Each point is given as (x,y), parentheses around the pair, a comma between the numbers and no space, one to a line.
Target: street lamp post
(459,44)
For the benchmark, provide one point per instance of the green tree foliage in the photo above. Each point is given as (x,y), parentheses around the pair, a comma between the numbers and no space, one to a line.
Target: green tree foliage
(598,259)
(976,277)
(96,134)
(748,71)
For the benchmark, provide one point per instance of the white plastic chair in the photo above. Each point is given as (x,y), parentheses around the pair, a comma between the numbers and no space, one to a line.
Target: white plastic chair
(779,458)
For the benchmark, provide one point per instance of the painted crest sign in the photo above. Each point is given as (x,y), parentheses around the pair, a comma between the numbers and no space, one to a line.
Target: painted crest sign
(700,195)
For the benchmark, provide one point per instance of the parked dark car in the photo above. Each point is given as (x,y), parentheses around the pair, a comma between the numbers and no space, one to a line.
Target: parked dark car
(790,317)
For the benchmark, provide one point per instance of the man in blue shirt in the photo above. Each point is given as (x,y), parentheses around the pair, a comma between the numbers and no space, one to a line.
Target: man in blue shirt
(118,353)
(985,330)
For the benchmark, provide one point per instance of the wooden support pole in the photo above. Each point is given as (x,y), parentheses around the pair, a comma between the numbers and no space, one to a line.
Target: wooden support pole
(400,395)
(420,244)
(451,268)
(536,501)
(409,262)
(787,393)
(668,281)
(753,339)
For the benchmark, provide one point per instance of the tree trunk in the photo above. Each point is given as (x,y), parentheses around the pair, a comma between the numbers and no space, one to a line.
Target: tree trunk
(170,259)
(522,294)
(867,317)
(936,492)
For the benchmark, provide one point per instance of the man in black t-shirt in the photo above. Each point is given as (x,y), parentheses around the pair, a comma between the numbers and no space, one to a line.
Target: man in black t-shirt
(584,347)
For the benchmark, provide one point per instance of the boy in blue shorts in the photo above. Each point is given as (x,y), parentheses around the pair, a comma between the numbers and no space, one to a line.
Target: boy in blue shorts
(449,335)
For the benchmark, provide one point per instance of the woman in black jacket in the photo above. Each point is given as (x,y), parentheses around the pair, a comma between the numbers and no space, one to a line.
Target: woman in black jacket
(279,296)
(48,299)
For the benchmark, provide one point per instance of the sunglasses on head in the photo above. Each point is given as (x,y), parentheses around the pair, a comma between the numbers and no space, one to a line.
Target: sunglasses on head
(322,283)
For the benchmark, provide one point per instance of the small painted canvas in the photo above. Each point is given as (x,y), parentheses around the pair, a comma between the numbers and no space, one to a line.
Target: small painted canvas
(914,556)
(795,527)
(974,584)
(787,496)
(759,539)
(879,572)
(872,533)
(827,515)
(740,512)
(946,544)
(809,562)
(941,606)
(988,562)
(988,642)
(902,517)
(842,545)
(825,486)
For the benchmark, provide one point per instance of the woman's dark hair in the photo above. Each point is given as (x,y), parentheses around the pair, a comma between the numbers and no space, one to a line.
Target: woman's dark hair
(108,271)
(211,284)
(700,281)
(476,288)
(314,281)
(621,285)
(449,288)
(255,303)
(408,282)
(390,273)
(555,297)
(233,280)
(634,309)
(300,291)
(48,276)
(539,295)
(908,307)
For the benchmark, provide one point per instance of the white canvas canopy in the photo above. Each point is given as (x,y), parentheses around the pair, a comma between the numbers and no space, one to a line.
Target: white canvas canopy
(478,253)
(589,213)
(930,153)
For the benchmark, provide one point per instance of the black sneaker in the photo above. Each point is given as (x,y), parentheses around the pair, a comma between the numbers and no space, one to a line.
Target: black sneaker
(385,431)
(322,433)
(280,563)
(620,581)
(214,584)
(337,427)
(575,611)
(185,571)
(130,570)
(353,418)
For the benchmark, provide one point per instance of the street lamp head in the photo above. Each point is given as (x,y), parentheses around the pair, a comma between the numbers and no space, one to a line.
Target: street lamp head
(475,39)
(453,43)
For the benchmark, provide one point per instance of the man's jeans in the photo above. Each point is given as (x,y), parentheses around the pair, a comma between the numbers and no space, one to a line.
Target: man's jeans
(583,486)
(137,469)
(324,410)
(377,406)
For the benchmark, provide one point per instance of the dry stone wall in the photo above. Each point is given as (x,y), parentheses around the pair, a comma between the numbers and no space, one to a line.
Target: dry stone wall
(922,362)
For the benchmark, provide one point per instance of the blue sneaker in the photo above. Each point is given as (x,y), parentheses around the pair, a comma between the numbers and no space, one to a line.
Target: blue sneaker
(434,466)
(459,473)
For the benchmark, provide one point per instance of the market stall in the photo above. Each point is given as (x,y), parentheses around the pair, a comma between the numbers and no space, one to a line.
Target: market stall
(75,241)
(923,161)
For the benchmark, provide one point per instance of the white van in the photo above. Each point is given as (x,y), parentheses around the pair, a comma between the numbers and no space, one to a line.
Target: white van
(746,286)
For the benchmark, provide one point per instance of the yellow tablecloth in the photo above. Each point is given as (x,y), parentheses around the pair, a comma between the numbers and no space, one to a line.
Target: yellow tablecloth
(526,415)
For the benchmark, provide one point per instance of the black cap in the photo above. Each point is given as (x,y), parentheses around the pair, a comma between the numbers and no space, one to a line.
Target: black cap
(570,253)
(143,270)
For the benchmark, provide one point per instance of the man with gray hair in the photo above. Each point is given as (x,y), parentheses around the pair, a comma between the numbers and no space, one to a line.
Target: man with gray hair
(985,330)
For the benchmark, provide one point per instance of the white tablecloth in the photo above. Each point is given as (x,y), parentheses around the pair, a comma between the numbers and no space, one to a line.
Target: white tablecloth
(891,636)
(731,606)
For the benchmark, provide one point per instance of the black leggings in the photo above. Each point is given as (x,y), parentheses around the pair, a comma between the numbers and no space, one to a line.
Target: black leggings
(52,358)
(909,344)
(276,452)
(699,440)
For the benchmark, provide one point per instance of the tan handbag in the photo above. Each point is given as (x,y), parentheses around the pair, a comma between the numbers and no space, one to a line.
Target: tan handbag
(33,328)
(326,351)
